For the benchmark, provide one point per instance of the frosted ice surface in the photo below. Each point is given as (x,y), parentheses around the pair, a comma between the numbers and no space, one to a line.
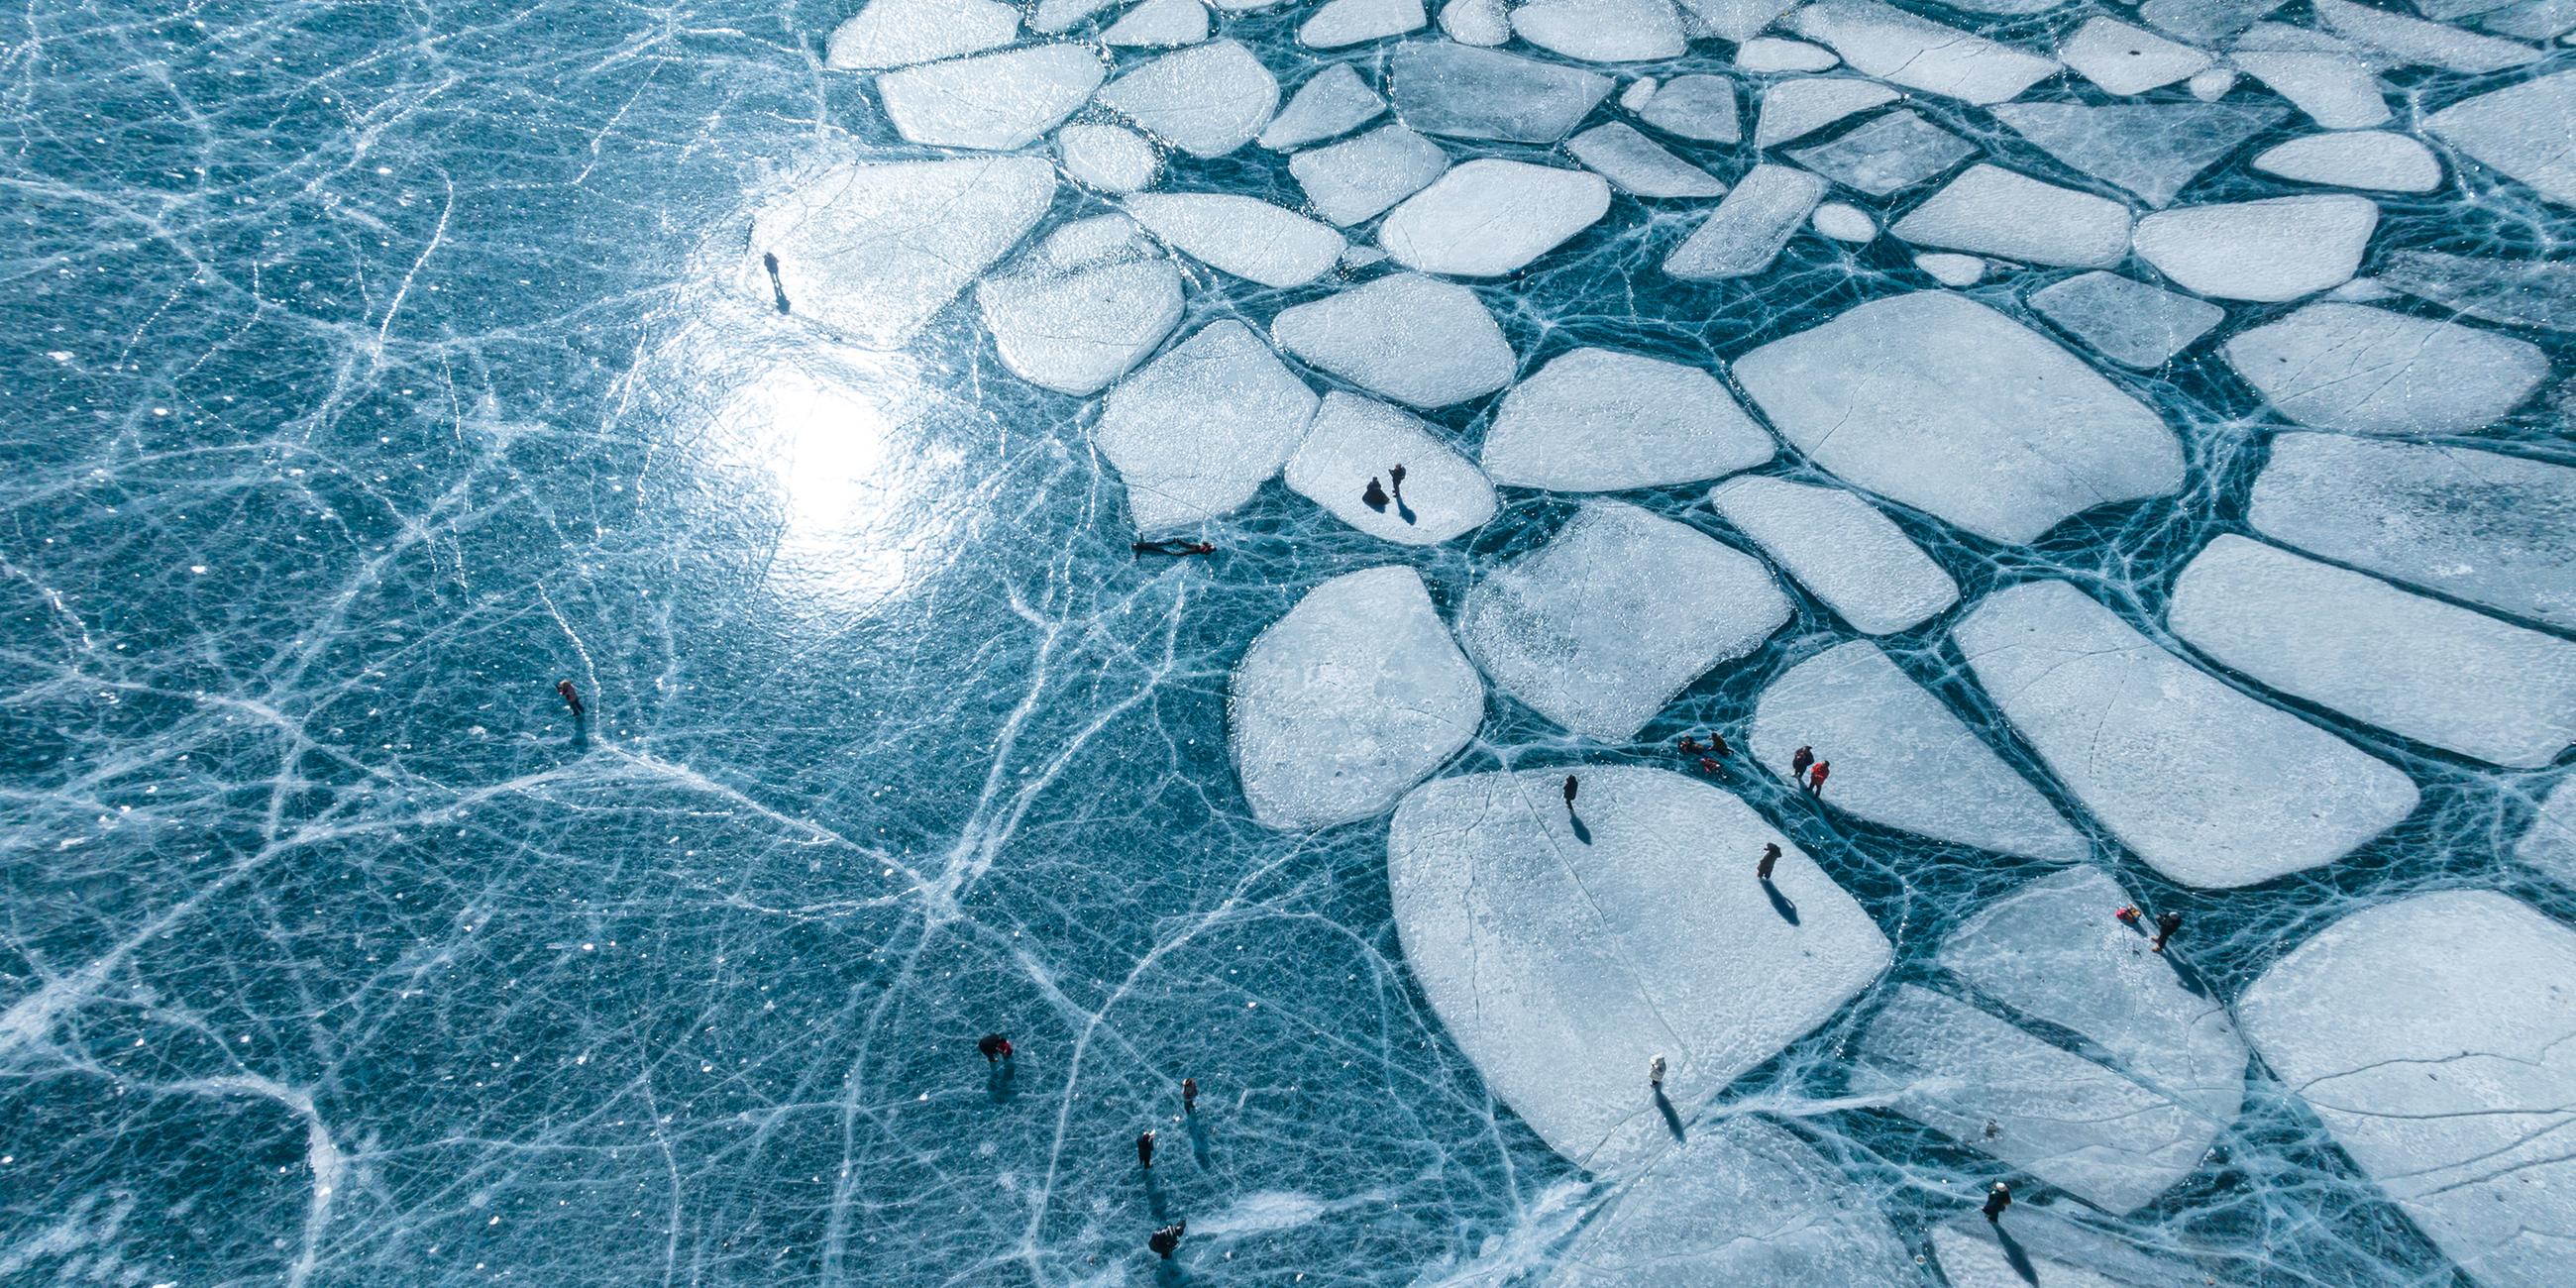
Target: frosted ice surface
(2347,641)
(1895,151)
(1995,211)
(1902,759)
(1844,222)
(1734,20)
(2208,785)
(1616,614)
(2519,292)
(2356,159)
(1353,440)
(1946,405)
(2319,74)
(1100,239)
(1475,22)
(1972,1255)
(1356,179)
(1851,556)
(2271,250)
(1489,217)
(1245,236)
(1780,54)
(2413,42)
(1159,24)
(1952,270)
(1111,158)
(2151,149)
(2205,22)
(2125,60)
(1076,330)
(1333,101)
(2493,530)
(2550,844)
(2060,1117)
(1597,421)
(1602,31)
(1206,100)
(1561,965)
(1694,107)
(1639,92)
(2521,130)
(1740,1204)
(2212,85)
(2531,19)
(1897,46)
(992,101)
(2127,321)
(1748,229)
(2431,1036)
(875,250)
(2370,371)
(1444,88)
(1639,165)
(1202,427)
(1354,22)
(896,33)
(1797,108)
(1054,16)
(1348,701)
(1422,342)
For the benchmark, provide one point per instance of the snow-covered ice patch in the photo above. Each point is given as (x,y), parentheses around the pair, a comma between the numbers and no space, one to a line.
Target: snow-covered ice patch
(1489,217)
(1741,1203)
(874,251)
(2373,159)
(1207,100)
(2127,321)
(1748,229)
(1245,236)
(993,101)
(1597,421)
(1422,342)
(1199,430)
(1457,90)
(1994,211)
(898,33)
(1354,442)
(1639,165)
(1851,556)
(1357,179)
(1334,101)
(2371,371)
(2268,251)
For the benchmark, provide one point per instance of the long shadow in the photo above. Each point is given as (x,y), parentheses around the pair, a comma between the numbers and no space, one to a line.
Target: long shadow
(998,1082)
(1780,903)
(581,733)
(1154,1200)
(2014,1254)
(1403,511)
(1581,833)
(1198,1140)
(1672,1120)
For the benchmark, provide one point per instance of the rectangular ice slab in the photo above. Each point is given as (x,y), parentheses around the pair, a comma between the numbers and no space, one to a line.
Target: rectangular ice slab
(1894,45)
(2521,130)
(2127,321)
(875,250)
(2374,371)
(1356,179)
(1451,89)
(1994,211)
(1597,421)
(2430,671)
(1417,340)
(1740,1204)
(1202,427)
(995,101)
(1489,217)
(1854,558)
(1354,441)
(1748,229)
(2211,787)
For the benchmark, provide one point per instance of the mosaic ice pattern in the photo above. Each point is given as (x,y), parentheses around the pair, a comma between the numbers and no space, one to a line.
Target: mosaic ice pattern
(2126,443)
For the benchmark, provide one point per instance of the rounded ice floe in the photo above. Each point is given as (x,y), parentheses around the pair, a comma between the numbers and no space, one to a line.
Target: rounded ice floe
(1421,342)
(1159,24)
(2370,159)
(1748,229)
(1597,421)
(1207,100)
(875,250)
(1100,239)
(1076,330)
(1110,158)
(1355,441)
(1349,700)
(898,33)
(1740,1202)
(1563,951)
(1475,22)
(1853,557)
(1844,222)
(1941,403)
(2208,785)
(2370,371)
(1779,54)
(2323,76)
(1245,236)
(1353,22)
(2549,845)
(1797,108)
(1994,211)
(1697,106)
(2521,130)
(1489,217)
(2124,60)
(1901,759)
(1334,101)
(2212,85)
(2431,1036)
(1602,31)
(993,101)
(2272,250)
(1639,92)
(1637,164)
(1893,45)
(1199,430)
(2349,642)
(1356,179)
(1455,90)
(1952,270)
(2127,321)
(1616,614)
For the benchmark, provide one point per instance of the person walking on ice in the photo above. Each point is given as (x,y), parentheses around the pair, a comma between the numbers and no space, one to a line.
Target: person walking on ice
(1571,786)
(1189,1095)
(571,697)
(1163,1241)
(2166,924)
(995,1047)
(1816,778)
(1770,860)
(1997,1199)
(1655,1073)
(1798,763)
(1145,1150)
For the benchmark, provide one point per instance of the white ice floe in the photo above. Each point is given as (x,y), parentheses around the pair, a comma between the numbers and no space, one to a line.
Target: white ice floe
(1489,217)
(1348,701)
(1422,342)
(1697,107)
(1353,441)
(2151,149)
(991,101)
(1748,229)
(1334,101)
(1797,108)
(2212,85)
(2431,1035)
(1562,959)
(2490,529)
(2272,250)
(2211,787)
(1639,165)
(1207,100)
(1973,1255)
(1901,759)
(1780,54)
(2125,60)
(1356,22)
(1639,92)
(875,250)
(2127,321)
(1946,405)
(2370,159)
(1245,236)
(1475,22)
(1739,1203)
(2370,371)
(1952,270)
(1357,179)
(1897,46)
(1734,20)
(1456,90)
(1100,239)
(1597,421)
(2349,642)
(2413,42)
(1895,151)
(1995,211)
(1202,427)
(2319,74)
(1159,24)
(2517,292)
(1075,330)
(1111,158)
(1851,556)
(1616,614)
(2549,846)
(1844,222)
(2521,130)
(898,33)
(1602,31)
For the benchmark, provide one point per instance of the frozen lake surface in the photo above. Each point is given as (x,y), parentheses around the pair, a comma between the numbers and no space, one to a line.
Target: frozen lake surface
(2125,443)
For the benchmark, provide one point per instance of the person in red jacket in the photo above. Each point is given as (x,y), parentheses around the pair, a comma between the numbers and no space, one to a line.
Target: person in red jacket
(1816,777)
(995,1047)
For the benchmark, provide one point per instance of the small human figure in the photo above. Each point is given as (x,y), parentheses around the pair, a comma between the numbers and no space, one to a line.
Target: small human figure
(1168,1238)
(2132,918)
(1717,744)
(995,1047)
(571,697)
(1374,496)
(1189,1095)
(1798,763)
(2166,924)
(1770,860)
(1709,766)
(1173,546)
(1395,476)
(769,260)
(1688,744)
(1570,786)
(1655,1073)
(1816,777)
(1145,1149)
(1997,1199)
(1993,1129)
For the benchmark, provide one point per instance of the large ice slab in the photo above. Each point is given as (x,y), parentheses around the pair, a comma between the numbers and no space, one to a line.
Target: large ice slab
(1616,614)
(1944,404)
(1748,229)
(898,33)
(1781,54)
(1334,101)
(1489,217)
(993,101)
(2271,250)
(1794,109)
(1207,100)
(875,250)
(2373,159)
(1353,440)
(2151,149)
(1853,557)
(1111,158)
(1159,24)
(2127,321)
(1355,179)
(1348,701)
(1740,1204)
(2210,786)
(1696,106)
(2490,529)
(1895,151)
(1422,342)
(1199,430)
(2413,42)
(1597,421)
(2431,1035)
(1994,211)
(1245,236)
(1458,90)
(2521,130)
(2440,674)
(2371,371)
(1602,31)
(2321,75)
(1562,962)
(2125,60)
(2045,1252)
(1639,165)
(1902,759)
(2517,292)
(1076,329)
(1354,22)
(1894,45)
(2205,22)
